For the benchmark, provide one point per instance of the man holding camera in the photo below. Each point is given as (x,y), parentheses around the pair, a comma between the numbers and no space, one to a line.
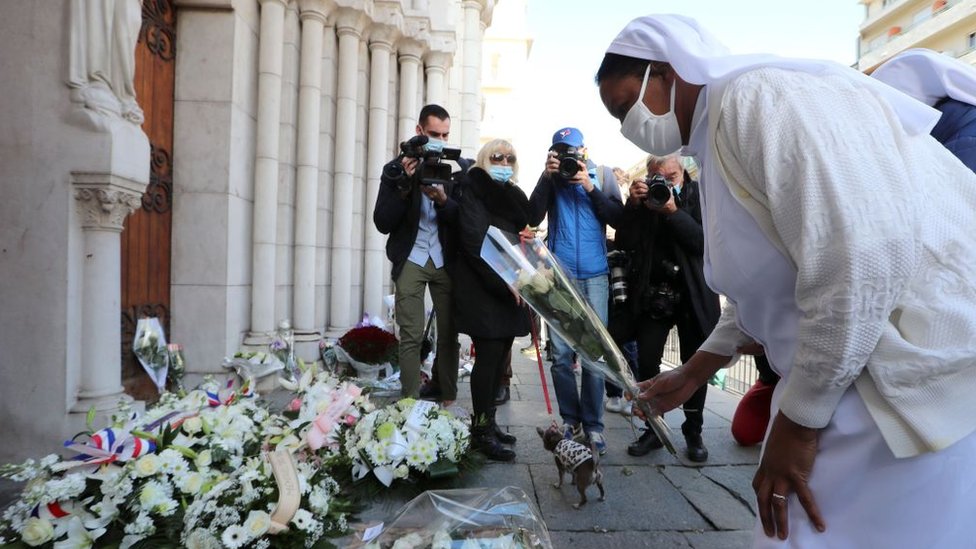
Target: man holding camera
(661,232)
(579,206)
(414,206)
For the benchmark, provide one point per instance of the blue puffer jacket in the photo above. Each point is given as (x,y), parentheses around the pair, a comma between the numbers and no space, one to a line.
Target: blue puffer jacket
(577,221)
(957,130)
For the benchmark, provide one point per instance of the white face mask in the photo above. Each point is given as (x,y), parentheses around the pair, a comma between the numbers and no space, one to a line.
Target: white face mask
(657,134)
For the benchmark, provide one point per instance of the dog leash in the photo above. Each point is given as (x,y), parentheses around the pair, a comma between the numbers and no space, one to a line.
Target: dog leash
(538,356)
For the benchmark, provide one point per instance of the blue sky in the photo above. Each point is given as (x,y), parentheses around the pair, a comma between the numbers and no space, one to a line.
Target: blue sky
(570,37)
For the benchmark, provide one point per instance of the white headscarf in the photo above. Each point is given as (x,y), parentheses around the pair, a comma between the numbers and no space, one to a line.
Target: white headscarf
(929,76)
(699,58)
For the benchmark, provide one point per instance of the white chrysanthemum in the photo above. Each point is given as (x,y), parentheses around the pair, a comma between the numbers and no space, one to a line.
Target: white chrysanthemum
(442,540)
(234,536)
(421,453)
(156,497)
(172,462)
(143,525)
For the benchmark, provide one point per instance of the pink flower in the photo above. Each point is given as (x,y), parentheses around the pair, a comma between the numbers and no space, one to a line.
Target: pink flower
(351,420)
(295,405)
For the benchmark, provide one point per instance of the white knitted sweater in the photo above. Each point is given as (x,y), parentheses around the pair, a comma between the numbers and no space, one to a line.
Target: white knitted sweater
(881,229)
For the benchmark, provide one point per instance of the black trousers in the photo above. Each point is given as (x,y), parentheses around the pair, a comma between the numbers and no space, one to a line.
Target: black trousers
(651,336)
(486,374)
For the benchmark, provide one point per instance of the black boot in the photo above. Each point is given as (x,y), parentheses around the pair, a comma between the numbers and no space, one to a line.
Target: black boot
(642,446)
(483,440)
(503,436)
(503,395)
(696,450)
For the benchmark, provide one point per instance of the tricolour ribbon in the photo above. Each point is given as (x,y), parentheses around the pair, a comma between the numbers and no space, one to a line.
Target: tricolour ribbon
(106,446)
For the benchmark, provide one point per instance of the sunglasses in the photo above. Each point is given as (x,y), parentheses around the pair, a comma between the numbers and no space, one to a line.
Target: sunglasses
(498,157)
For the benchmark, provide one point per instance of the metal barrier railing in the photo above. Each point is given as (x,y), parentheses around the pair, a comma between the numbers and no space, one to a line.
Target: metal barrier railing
(738,378)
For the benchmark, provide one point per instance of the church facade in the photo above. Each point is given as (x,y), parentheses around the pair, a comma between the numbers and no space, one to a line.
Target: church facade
(211,163)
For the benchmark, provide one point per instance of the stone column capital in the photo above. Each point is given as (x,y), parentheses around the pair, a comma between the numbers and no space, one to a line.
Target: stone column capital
(316,10)
(382,36)
(351,21)
(411,49)
(105,200)
(438,60)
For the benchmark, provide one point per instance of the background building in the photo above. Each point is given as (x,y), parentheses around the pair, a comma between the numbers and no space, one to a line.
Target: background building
(892,26)
(210,162)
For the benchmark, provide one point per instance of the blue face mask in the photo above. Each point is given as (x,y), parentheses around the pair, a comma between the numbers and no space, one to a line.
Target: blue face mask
(501,174)
(434,145)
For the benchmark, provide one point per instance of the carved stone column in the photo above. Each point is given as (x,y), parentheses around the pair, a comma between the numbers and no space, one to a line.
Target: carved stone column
(313,16)
(350,24)
(411,52)
(378,153)
(103,202)
(270,55)
(436,67)
(471,76)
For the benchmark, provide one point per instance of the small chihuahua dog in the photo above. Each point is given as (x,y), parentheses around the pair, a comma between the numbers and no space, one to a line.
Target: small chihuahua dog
(580,461)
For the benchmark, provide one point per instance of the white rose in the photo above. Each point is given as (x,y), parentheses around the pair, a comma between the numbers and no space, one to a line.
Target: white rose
(193,425)
(204,459)
(147,465)
(191,483)
(37,531)
(402,471)
(541,283)
(257,523)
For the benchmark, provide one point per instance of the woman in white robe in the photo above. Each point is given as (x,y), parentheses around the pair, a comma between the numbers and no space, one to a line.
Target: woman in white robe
(860,285)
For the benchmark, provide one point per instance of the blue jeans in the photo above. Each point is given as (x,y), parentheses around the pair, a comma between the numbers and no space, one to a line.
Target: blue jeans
(583,405)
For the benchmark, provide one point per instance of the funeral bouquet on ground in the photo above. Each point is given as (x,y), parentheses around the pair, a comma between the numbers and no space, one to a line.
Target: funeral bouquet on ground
(150,349)
(406,441)
(367,349)
(530,269)
(479,518)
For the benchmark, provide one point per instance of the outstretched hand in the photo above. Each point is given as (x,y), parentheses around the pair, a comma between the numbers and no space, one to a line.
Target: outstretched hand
(785,470)
(668,390)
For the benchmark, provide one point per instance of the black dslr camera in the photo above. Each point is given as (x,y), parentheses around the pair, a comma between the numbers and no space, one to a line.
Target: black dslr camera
(431,169)
(658,190)
(662,299)
(569,159)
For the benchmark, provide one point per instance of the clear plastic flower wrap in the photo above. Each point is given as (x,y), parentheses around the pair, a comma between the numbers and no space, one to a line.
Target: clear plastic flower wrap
(463,519)
(530,269)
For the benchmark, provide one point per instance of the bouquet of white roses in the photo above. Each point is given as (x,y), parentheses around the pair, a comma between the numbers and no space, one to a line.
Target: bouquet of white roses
(404,439)
(149,347)
(530,269)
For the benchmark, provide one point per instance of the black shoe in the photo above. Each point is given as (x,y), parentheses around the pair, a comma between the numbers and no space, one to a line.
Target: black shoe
(643,445)
(696,448)
(502,436)
(483,440)
(429,391)
(503,395)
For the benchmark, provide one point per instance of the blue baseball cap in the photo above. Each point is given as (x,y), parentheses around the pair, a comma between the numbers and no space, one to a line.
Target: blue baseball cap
(568,136)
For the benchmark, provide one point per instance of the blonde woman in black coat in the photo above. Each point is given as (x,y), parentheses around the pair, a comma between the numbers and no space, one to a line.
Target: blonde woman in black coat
(485,308)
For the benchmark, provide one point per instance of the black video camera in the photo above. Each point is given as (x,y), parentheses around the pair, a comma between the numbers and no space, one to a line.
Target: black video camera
(569,159)
(658,190)
(431,170)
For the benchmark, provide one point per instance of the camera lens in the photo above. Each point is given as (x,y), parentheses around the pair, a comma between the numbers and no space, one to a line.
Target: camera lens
(618,284)
(658,191)
(568,167)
